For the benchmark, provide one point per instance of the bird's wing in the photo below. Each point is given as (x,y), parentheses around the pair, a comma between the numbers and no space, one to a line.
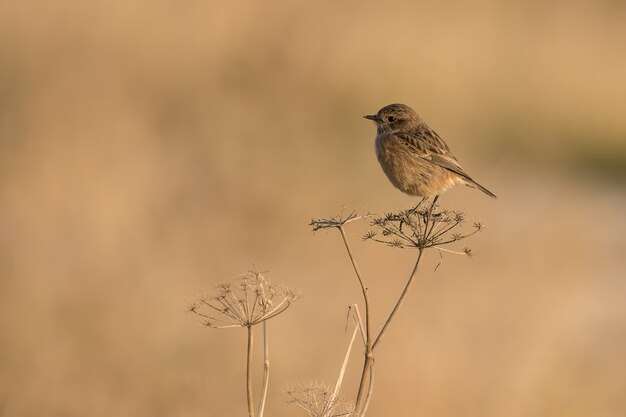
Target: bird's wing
(426,144)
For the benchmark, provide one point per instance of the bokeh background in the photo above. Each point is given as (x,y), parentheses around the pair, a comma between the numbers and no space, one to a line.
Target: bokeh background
(151,149)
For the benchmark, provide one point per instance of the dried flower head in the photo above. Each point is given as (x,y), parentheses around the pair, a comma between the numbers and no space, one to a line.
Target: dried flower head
(423,226)
(247,300)
(335,222)
(319,400)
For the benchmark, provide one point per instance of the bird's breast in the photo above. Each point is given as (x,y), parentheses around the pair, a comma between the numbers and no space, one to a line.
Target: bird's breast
(386,146)
(388,151)
(407,171)
(391,156)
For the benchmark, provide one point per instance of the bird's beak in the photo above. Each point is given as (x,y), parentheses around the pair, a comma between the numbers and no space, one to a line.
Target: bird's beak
(372,117)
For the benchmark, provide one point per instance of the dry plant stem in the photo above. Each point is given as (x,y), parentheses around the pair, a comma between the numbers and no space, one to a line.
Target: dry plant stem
(249,372)
(342,372)
(361,283)
(362,409)
(266,369)
(399,302)
(423,229)
(367,373)
(246,301)
(409,281)
(370,388)
(369,358)
(358,321)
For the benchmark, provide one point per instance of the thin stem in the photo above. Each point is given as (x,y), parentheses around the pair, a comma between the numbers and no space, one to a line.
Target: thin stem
(461,237)
(446,229)
(368,368)
(215,326)
(274,312)
(245,304)
(361,283)
(451,251)
(411,277)
(342,372)
(428,233)
(266,369)
(399,302)
(238,304)
(369,359)
(356,315)
(370,389)
(226,310)
(249,372)
(254,305)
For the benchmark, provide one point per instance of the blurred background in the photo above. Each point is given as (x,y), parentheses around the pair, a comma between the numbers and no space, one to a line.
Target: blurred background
(151,149)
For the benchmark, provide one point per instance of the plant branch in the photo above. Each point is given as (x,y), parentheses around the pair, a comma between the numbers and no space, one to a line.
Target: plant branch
(266,369)
(369,359)
(419,228)
(249,372)
(361,283)
(400,300)
(368,396)
(342,372)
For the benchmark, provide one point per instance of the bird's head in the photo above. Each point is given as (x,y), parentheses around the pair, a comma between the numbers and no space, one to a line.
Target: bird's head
(394,117)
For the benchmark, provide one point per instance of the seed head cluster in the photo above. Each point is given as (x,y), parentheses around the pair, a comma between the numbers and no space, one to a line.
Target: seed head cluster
(245,301)
(423,226)
(319,400)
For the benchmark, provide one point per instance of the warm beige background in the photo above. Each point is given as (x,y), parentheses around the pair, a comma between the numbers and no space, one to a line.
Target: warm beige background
(149,149)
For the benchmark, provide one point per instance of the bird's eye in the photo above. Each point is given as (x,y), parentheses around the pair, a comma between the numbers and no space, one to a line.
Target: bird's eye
(391,119)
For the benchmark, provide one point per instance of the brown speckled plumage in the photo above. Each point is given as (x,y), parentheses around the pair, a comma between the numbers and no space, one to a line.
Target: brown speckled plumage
(413,156)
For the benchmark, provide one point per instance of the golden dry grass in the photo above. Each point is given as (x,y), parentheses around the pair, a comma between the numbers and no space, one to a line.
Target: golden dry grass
(151,149)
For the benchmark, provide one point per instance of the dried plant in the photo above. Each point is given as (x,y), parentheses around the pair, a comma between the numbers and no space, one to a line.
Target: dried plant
(251,299)
(319,400)
(334,222)
(422,227)
(246,301)
(419,227)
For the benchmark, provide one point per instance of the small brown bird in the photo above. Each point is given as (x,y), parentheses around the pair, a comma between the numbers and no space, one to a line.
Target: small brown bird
(416,160)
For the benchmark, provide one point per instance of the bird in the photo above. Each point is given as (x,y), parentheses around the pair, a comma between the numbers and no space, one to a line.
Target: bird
(414,157)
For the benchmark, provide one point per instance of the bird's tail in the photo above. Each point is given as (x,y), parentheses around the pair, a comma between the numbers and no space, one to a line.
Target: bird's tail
(474,184)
